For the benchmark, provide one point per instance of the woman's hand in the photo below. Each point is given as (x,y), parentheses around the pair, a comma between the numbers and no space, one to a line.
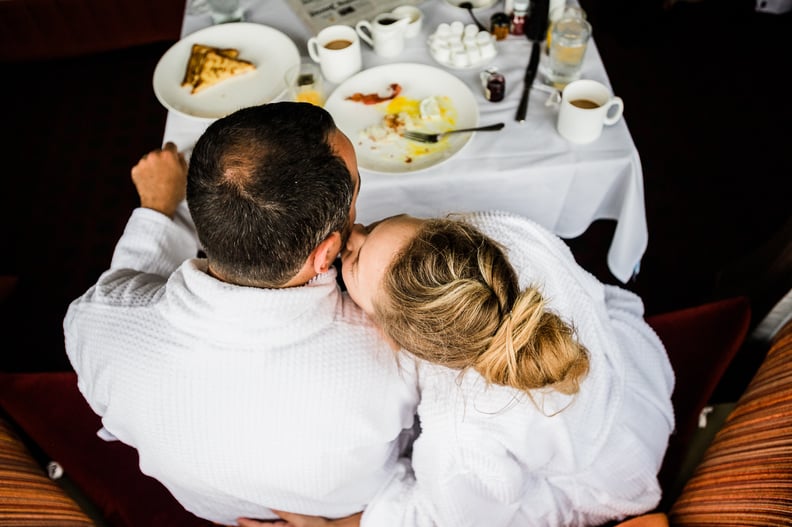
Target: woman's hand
(161,179)
(301,520)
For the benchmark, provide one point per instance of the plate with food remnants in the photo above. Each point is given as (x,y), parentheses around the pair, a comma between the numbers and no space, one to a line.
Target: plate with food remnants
(220,69)
(374,107)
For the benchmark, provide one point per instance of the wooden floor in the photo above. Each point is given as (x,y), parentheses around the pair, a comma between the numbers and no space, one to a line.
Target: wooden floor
(703,101)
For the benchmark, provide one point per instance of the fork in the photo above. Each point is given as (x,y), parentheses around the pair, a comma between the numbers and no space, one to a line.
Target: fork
(433,138)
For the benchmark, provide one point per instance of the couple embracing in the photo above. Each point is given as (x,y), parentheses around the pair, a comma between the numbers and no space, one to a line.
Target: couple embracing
(471,373)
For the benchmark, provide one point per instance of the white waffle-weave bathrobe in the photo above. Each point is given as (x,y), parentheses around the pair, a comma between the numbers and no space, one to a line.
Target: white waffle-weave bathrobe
(490,457)
(236,398)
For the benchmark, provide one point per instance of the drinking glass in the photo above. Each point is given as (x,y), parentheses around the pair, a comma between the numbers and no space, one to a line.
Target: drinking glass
(304,83)
(221,11)
(568,45)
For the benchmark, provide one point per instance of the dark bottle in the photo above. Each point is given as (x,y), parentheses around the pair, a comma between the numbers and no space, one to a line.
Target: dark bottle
(519,16)
(500,25)
(494,85)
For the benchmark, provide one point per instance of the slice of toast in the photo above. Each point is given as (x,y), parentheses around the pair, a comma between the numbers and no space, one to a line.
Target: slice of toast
(216,67)
(196,57)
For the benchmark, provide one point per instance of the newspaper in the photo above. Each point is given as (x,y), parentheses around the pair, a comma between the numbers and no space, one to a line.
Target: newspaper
(318,14)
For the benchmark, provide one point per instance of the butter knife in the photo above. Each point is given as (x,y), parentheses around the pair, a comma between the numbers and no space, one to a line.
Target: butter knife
(530,75)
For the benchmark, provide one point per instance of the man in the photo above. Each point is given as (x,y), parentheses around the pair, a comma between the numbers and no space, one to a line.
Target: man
(246,380)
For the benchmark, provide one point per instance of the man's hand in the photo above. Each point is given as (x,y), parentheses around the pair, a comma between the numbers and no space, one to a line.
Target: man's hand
(161,179)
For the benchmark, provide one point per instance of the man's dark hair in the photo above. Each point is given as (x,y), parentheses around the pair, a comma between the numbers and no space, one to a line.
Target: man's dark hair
(264,188)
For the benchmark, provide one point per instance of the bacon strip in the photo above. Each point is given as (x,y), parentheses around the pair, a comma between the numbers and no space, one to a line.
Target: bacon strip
(375,98)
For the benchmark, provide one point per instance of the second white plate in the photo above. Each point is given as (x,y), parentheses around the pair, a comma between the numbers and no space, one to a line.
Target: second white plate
(270,50)
(418,82)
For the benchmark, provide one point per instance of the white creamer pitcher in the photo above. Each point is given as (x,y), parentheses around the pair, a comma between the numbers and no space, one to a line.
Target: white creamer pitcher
(385,33)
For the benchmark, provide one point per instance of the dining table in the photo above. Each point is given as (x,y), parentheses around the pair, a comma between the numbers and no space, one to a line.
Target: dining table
(526,168)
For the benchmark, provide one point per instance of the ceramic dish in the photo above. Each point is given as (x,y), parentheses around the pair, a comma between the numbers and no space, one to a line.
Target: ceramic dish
(418,82)
(270,50)
(461,47)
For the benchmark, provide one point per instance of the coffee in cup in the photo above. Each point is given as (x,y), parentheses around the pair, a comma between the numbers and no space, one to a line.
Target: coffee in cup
(338,44)
(585,104)
(584,108)
(337,50)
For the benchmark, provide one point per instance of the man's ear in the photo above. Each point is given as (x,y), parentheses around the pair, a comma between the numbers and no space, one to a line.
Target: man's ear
(326,252)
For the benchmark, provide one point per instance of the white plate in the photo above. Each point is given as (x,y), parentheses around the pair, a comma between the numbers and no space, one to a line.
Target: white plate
(270,50)
(418,81)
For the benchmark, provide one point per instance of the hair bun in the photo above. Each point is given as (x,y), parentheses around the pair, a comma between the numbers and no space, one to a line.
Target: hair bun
(534,348)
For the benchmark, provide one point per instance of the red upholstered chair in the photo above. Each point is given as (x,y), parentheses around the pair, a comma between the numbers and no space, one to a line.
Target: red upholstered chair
(48,29)
(7,285)
(48,407)
(27,496)
(745,475)
(53,414)
(655,519)
(701,343)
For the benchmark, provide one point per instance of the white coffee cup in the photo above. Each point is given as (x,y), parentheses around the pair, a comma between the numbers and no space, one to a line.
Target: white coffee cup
(584,108)
(337,50)
(416,19)
(385,33)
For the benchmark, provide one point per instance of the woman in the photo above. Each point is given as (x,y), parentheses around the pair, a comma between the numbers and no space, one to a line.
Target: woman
(545,395)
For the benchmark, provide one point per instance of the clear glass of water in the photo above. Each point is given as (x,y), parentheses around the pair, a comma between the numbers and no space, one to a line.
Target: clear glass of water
(568,45)
(221,11)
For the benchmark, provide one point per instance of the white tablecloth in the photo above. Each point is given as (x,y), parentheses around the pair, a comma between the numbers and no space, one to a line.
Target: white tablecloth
(525,168)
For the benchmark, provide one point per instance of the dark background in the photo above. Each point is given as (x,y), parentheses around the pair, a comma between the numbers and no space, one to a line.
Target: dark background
(705,100)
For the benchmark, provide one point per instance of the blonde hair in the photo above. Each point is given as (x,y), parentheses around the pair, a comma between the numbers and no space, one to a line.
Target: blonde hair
(451,297)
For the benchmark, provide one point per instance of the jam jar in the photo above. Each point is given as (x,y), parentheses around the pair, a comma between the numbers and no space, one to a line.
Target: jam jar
(494,84)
